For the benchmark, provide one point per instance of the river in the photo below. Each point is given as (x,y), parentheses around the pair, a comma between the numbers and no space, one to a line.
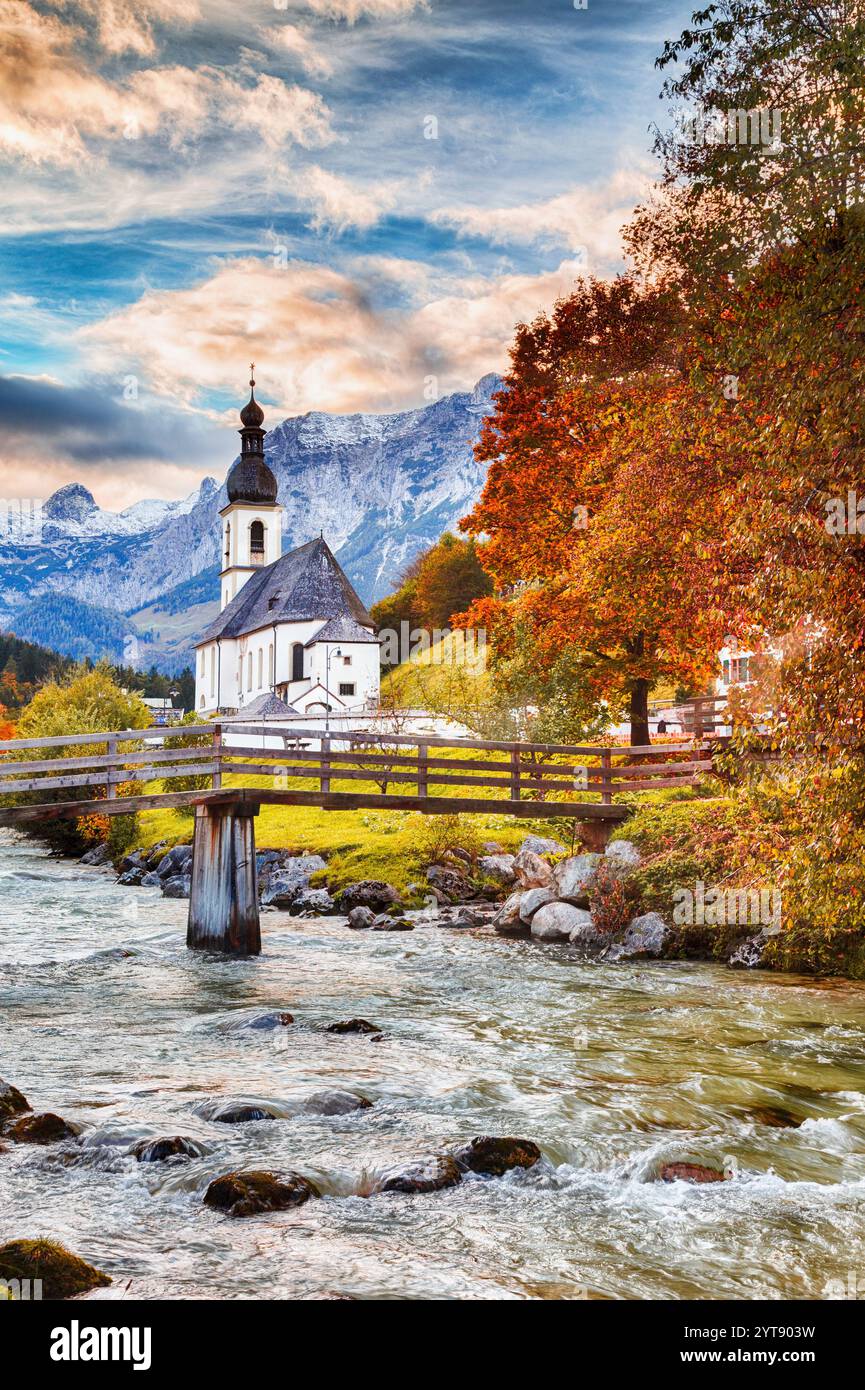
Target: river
(613,1070)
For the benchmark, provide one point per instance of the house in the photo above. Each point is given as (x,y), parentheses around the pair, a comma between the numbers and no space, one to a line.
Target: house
(291,625)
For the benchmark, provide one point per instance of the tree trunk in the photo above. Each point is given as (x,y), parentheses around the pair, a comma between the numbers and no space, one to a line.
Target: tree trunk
(640,712)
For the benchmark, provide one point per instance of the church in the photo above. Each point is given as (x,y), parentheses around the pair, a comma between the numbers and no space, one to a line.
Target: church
(291,628)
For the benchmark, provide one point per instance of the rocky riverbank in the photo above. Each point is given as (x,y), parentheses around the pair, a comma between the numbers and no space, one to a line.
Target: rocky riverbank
(542,893)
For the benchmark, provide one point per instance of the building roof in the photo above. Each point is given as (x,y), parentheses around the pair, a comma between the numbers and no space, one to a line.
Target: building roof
(304,585)
(266,706)
(342,630)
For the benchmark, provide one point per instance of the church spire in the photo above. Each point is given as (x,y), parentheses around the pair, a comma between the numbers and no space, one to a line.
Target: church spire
(250,480)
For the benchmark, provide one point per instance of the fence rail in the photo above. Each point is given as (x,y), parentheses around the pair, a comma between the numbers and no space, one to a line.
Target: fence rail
(569,776)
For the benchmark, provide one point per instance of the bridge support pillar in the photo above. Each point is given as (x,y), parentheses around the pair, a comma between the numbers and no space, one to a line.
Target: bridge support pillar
(595,834)
(223,901)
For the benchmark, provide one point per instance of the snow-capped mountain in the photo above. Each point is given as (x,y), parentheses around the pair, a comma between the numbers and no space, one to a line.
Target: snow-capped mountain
(379,487)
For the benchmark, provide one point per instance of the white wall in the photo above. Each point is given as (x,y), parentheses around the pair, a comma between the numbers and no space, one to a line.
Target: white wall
(247,670)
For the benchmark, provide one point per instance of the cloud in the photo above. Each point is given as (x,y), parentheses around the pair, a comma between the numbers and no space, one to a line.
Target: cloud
(353,10)
(322,339)
(589,216)
(339,204)
(126,26)
(288,38)
(56,110)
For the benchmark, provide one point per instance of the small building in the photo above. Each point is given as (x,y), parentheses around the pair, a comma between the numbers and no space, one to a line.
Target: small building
(290,625)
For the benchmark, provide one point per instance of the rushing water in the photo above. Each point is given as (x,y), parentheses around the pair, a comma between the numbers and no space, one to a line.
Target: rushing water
(614,1070)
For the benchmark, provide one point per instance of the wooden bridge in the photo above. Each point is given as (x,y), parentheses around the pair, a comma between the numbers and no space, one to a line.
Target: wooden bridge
(68,776)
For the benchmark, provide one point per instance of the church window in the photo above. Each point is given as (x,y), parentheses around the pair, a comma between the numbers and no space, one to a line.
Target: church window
(227,543)
(201,703)
(249,672)
(297,661)
(271,674)
(260,667)
(345,688)
(256,540)
(346,661)
(212,672)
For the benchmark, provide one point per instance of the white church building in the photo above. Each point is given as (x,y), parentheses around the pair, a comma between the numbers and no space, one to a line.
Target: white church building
(291,627)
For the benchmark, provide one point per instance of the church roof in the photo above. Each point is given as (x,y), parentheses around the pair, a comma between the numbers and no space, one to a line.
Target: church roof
(266,706)
(304,585)
(342,629)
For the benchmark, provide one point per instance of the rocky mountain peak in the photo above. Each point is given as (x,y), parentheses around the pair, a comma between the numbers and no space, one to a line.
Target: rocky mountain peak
(70,503)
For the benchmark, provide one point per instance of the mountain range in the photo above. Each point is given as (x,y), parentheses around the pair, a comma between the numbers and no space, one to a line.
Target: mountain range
(138,586)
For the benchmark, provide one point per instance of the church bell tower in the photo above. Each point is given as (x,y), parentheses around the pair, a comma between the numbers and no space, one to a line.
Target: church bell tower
(252,517)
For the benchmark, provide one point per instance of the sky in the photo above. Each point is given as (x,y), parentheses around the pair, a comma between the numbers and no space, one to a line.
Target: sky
(362,196)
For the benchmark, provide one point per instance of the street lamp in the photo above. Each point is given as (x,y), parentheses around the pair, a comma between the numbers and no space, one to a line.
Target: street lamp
(329,653)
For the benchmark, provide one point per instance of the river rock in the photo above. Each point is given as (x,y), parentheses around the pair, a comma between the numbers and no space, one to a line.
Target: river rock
(690,1172)
(248,1194)
(135,860)
(172,1146)
(96,857)
(623,854)
(283,879)
(132,878)
(268,1022)
(384,922)
(775,1116)
(424,1175)
(41,1129)
(369,892)
(575,877)
(555,921)
(151,880)
(644,937)
(532,871)
(334,1103)
(312,902)
(466,917)
(178,886)
(532,900)
(178,860)
(495,1156)
(539,844)
(507,921)
(12,1102)
(62,1274)
(584,931)
(361,918)
(498,866)
(455,886)
(352,1025)
(237,1113)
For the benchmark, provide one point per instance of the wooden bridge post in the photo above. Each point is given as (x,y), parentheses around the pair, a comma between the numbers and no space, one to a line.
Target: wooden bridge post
(223,901)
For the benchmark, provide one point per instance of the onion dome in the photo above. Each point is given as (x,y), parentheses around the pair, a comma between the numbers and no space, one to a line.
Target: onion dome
(250,480)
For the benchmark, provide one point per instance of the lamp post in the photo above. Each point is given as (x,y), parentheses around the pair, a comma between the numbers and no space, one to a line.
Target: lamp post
(329,653)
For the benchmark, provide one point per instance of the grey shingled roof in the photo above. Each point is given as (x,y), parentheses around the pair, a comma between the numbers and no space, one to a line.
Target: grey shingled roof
(266,706)
(342,630)
(300,586)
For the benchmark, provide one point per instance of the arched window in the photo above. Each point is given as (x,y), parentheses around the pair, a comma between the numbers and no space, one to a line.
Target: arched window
(256,540)
(249,672)
(201,703)
(227,544)
(297,661)
(212,672)
(271,675)
(260,667)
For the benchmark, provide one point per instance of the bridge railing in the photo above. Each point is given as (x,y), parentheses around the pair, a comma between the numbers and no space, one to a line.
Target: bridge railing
(97,765)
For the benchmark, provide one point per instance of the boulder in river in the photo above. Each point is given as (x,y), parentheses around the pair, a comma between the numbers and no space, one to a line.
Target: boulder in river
(556,921)
(575,878)
(690,1172)
(507,921)
(539,844)
(361,918)
(268,1022)
(177,886)
(369,892)
(454,884)
(644,937)
(238,1113)
(131,878)
(499,867)
(532,900)
(248,1194)
(352,1025)
(12,1102)
(424,1175)
(41,1129)
(532,871)
(584,931)
(334,1103)
(61,1274)
(775,1116)
(384,922)
(178,860)
(494,1156)
(172,1146)
(312,902)
(96,857)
